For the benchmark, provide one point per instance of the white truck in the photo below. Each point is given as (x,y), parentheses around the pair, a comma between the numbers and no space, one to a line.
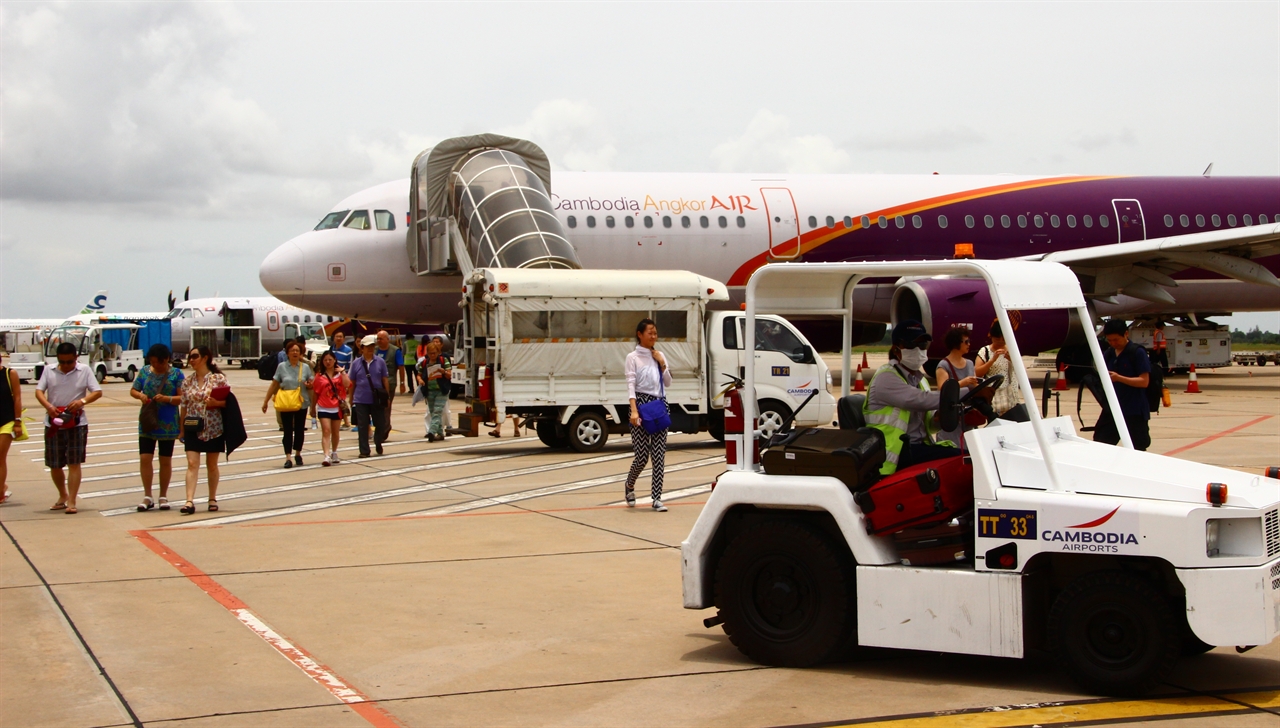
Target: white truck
(1118,561)
(550,345)
(110,350)
(24,352)
(1179,344)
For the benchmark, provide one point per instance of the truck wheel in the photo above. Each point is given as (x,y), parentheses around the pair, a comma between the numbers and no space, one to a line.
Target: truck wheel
(587,432)
(772,415)
(1114,632)
(546,430)
(715,424)
(785,595)
(131,374)
(100,374)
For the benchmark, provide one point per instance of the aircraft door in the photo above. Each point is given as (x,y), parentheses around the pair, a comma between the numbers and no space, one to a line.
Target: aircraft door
(784,223)
(273,321)
(1129,223)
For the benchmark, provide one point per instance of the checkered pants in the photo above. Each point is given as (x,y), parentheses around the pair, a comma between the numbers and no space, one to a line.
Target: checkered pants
(647,445)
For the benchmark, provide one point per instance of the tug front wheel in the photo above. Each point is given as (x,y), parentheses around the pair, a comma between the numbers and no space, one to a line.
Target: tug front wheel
(785,594)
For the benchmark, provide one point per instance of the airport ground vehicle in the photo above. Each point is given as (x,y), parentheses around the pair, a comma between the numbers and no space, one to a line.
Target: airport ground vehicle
(231,344)
(1256,358)
(1118,561)
(1180,344)
(550,345)
(24,351)
(115,349)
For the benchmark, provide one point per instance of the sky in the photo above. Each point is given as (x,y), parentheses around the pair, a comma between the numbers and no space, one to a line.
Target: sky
(153,146)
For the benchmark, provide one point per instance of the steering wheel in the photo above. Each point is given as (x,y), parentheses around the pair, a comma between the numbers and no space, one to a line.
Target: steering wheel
(992,382)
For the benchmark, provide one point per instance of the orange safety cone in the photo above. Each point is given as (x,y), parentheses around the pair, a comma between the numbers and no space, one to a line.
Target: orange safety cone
(864,364)
(1061,385)
(858,384)
(1193,382)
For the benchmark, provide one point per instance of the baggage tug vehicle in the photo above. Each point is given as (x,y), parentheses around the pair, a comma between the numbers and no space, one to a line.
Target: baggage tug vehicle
(1116,560)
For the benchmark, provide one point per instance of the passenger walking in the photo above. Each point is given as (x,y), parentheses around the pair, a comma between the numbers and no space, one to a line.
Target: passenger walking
(157,387)
(1130,370)
(64,391)
(647,379)
(955,366)
(370,395)
(343,353)
(330,389)
(394,359)
(202,430)
(288,391)
(992,360)
(435,376)
(11,427)
(410,350)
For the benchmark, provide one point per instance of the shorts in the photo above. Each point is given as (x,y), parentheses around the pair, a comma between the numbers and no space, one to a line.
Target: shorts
(6,428)
(147,446)
(63,447)
(321,414)
(195,444)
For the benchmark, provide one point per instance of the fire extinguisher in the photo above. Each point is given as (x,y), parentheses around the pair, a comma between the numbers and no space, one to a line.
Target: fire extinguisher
(484,376)
(734,431)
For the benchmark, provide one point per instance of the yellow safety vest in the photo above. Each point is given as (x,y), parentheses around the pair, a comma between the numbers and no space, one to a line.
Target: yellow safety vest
(893,421)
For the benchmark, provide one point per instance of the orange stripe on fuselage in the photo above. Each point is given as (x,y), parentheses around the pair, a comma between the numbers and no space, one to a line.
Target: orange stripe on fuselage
(817,238)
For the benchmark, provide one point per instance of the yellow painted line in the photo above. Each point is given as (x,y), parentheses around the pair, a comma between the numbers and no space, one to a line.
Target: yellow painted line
(1012,716)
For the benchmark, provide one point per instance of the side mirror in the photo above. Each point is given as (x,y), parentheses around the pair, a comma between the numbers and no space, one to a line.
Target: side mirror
(803,355)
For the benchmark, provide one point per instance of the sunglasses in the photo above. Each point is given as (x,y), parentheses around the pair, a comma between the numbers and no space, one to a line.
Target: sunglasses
(66,361)
(192,357)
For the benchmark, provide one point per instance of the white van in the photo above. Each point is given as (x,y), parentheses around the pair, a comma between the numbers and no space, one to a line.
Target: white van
(550,345)
(110,350)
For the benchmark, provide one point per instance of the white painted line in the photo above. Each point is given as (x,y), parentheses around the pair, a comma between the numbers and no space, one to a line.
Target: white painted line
(397,492)
(134,449)
(551,490)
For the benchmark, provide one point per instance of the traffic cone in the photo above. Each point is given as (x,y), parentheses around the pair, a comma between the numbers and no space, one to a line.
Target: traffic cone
(864,364)
(858,384)
(1061,385)
(1193,383)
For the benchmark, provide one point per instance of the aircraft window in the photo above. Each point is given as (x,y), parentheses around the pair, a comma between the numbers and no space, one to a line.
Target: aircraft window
(1071,221)
(742,221)
(1103,221)
(573,221)
(332,220)
(608,221)
(916,222)
(1217,221)
(1004,221)
(704,222)
(631,221)
(648,221)
(384,220)
(186,313)
(1248,220)
(813,222)
(1088,221)
(684,221)
(831,221)
(882,222)
(1199,220)
(968,221)
(295,320)
(1168,221)
(1054,221)
(900,221)
(1022,221)
(666,221)
(1231,220)
(724,221)
(306,319)
(942,221)
(1262,219)
(866,222)
(1186,221)
(1038,220)
(848,222)
(989,221)
(591,221)
(330,319)
(359,220)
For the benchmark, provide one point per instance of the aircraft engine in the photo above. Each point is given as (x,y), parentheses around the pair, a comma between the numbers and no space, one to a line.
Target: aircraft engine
(942,304)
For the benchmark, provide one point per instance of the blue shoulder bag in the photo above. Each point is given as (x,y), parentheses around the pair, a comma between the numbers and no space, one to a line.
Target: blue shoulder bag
(653,415)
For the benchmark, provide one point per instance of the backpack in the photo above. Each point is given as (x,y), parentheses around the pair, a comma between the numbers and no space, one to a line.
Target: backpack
(267,367)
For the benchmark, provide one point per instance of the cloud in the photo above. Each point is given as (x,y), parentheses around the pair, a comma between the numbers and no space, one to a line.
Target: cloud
(571,133)
(1095,142)
(929,140)
(768,145)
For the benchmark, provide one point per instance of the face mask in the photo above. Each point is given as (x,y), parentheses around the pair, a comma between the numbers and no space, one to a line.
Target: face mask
(913,359)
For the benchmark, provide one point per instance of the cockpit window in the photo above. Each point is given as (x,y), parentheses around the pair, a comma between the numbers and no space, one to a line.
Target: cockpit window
(359,220)
(384,220)
(332,220)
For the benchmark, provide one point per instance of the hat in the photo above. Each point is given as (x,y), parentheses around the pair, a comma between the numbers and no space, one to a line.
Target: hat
(910,332)
(369,340)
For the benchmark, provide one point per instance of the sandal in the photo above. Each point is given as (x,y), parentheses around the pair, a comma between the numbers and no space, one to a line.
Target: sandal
(57,506)
(213,506)
(495,433)
(164,503)
(71,511)
(188,509)
(146,504)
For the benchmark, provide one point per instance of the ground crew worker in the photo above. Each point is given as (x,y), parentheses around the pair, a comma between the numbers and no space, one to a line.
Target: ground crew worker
(900,405)
(1130,371)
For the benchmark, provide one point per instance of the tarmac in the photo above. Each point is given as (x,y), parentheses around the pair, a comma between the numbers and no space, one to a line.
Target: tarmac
(488,582)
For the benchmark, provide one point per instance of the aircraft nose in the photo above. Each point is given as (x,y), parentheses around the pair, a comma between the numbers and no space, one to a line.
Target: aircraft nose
(283,273)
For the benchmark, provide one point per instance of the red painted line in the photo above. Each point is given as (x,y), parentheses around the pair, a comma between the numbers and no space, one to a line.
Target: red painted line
(1224,433)
(322,675)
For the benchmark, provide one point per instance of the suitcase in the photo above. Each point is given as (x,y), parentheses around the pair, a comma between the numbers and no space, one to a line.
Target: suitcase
(930,492)
(943,543)
(853,456)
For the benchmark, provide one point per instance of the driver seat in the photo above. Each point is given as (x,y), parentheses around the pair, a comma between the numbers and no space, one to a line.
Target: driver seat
(849,412)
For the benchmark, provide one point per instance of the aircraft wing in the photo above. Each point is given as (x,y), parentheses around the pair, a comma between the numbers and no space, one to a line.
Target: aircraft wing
(1143,269)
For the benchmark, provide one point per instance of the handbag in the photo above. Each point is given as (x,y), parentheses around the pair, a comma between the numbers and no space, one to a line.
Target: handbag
(380,396)
(192,426)
(289,400)
(149,415)
(654,416)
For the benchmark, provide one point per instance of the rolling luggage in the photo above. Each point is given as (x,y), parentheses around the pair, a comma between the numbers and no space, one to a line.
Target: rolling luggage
(930,492)
(943,543)
(853,456)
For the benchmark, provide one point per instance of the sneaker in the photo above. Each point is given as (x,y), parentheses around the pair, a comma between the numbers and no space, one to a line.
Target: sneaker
(288,463)
(334,458)
(355,429)
(657,506)
(631,498)
(297,460)
(325,463)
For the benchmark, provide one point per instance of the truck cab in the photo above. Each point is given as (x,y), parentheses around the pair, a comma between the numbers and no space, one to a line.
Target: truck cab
(1117,561)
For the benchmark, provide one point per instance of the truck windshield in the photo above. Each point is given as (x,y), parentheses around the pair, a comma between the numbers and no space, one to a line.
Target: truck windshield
(70,335)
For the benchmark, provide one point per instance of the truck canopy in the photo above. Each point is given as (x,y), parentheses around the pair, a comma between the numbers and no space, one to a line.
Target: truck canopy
(563,286)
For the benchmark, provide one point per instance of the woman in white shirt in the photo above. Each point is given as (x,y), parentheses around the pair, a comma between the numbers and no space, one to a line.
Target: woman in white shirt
(647,378)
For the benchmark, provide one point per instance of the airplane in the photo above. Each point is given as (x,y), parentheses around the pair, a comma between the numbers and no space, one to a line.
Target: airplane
(96,305)
(1141,246)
